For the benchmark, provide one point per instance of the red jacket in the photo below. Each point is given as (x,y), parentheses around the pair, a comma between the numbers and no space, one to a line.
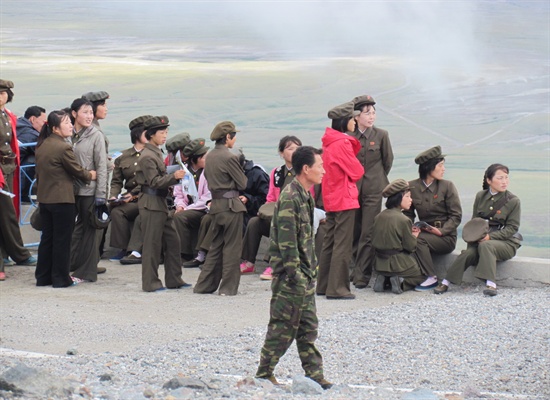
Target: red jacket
(342,170)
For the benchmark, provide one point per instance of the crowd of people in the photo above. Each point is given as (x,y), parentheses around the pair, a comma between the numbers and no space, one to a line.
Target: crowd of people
(212,206)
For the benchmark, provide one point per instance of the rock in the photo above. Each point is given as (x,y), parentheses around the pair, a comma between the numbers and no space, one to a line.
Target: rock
(148,393)
(72,352)
(178,382)
(420,394)
(303,385)
(29,382)
(105,377)
(182,393)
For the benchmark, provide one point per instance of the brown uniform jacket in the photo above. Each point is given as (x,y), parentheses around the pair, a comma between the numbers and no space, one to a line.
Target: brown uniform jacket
(124,173)
(376,156)
(151,172)
(56,170)
(223,173)
(438,205)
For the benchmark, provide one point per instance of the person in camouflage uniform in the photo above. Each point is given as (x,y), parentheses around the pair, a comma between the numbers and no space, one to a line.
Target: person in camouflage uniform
(293,313)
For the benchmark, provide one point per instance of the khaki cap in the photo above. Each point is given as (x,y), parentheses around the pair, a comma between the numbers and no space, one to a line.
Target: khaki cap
(343,111)
(399,185)
(434,152)
(222,129)
(138,121)
(361,101)
(5,85)
(475,230)
(195,148)
(96,96)
(156,122)
(177,142)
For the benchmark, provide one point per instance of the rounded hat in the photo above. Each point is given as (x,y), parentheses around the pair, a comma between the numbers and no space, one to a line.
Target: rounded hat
(475,230)
(394,187)
(195,148)
(156,122)
(361,101)
(177,142)
(138,121)
(343,111)
(5,85)
(222,129)
(434,152)
(96,96)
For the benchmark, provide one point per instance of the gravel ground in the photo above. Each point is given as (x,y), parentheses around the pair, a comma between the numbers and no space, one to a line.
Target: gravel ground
(129,344)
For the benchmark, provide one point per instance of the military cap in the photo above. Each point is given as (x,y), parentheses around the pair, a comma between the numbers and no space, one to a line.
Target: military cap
(177,142)
(475,230)
(434,152)
(96,96)
(396,186)
(343,111)
(195,148)
(222,129)
(361,101)
(156,122)
(5,85)
(138,121)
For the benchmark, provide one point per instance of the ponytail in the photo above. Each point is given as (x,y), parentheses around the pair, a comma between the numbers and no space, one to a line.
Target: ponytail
(54,121)
(490,173)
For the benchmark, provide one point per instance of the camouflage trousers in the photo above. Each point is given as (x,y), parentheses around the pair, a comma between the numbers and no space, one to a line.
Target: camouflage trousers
(293,315)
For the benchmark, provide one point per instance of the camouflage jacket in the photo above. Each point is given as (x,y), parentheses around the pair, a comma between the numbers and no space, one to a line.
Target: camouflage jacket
(291,247)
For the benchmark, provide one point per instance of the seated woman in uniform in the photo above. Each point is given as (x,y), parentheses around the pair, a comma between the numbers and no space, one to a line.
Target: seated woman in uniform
(502,211)
(394,239)
(124,207)
(439,212)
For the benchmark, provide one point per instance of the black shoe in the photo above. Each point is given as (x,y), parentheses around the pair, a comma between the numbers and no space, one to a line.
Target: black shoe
(490,291)
(130,259)
(194,263)
(396,285)
(350,296)
(379,283)
(185,285)
(360,285)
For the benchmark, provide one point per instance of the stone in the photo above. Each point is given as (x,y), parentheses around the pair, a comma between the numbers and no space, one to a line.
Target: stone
(420,394)
(303,385)
(31,382)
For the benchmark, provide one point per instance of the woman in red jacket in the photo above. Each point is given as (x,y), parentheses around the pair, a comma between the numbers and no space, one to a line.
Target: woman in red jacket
(340,198)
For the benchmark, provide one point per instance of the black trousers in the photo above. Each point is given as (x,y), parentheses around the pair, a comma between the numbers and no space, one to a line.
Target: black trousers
(54,251)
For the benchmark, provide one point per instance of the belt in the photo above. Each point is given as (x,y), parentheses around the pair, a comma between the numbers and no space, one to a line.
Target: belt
(385,254)
(224,194)
(8,159)
(154,192)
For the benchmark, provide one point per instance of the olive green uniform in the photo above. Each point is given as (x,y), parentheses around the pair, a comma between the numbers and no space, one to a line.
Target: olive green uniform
(11,241)
(225,178)
(503,244)
(122,216)
(394,242)
(156,223)
(439,206)
(293,313)
(376,156)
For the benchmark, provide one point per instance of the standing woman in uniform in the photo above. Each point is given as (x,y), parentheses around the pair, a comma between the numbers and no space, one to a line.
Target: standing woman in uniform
(11,243)
(502,210)
(340,199)
(89,149)
(124,206)
(437,203)
(157,226)
(56,170)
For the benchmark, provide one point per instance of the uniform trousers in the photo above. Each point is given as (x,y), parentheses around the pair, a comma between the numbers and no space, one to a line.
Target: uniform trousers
(187,223)
(84,244)
(122,218)
(292,316)
(158,233)
(370,206)
(221,267)
(428,244)
(11,241)
(205,234)
(54,251)
(256,228)
(412,276)
(136,238)
(336,254)
(484,257)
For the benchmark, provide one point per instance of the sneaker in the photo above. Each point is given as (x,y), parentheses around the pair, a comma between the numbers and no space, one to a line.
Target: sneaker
(247,268)
(490,291)
(31,261)
(8,262)
(267,275)
(130,259)
(118,256)
(78,280)
(420,288)
(441,288)
(2,276)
